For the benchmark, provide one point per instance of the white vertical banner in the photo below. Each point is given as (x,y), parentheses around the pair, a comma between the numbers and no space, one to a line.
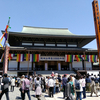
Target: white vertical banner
(70,66)
(46,66)
(33,65)
(59,66)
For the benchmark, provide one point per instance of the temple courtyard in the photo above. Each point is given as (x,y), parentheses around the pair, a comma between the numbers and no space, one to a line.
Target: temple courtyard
(16,96)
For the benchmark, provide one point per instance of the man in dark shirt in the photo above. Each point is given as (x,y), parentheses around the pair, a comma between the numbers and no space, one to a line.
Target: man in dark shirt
(64,82)
(4,87)
(88,81)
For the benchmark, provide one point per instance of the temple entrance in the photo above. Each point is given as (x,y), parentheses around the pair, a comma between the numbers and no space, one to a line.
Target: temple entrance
(39,66)
(52,65)
(65,66)
(24,73)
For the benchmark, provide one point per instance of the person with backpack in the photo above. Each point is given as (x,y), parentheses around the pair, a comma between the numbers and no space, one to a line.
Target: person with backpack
(64,82)
(25,88)
(78,87)
(5,87)
(57,85)
(68,92)
(22,80)
(72,85)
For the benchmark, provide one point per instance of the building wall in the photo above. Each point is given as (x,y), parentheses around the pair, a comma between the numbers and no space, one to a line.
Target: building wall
(13,64)
(24,65)
(10,73)
(77,65)
(88,65)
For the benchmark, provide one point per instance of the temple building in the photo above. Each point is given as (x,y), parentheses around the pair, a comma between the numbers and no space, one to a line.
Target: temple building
(48,49)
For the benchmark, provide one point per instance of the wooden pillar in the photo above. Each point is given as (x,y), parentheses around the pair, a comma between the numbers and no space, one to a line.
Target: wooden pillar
(32,66)
(18,66)
(84,62)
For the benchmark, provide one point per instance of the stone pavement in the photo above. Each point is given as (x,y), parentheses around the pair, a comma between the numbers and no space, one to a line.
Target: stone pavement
(59,96)
(16,95)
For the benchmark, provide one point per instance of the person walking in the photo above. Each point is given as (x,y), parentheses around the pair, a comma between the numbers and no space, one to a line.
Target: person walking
(25,88)
(88,82)
(68,90)
(93,87)
(78,87)
(57,86)
(64,82)
(72,85)
(38,91)
(12,84)
(5,87)
(59,80)
(51,86)
(84,87)
(21,82)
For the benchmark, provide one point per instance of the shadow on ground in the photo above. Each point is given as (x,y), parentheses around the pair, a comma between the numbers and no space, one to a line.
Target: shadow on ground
(18,98)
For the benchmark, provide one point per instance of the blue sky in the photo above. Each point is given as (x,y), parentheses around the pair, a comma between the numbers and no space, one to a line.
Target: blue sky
(76,15)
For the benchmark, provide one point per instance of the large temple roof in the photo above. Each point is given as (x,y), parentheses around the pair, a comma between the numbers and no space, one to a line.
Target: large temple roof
(49,35)
(46,31)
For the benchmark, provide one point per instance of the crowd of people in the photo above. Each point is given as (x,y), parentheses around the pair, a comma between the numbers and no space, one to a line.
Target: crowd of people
(74,87)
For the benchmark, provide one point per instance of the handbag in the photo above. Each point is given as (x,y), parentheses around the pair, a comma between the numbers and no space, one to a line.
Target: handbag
(6,86)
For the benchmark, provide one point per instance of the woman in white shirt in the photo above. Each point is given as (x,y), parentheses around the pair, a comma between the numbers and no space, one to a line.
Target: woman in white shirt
(12,84)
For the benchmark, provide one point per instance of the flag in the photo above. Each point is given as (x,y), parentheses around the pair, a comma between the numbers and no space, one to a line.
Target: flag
(69,58)
(22,57)
(10,56)
(79,57)
(14,54)
(18,57)
(34,57)
(87,58)
(6,31)
(93,58)
(27,57)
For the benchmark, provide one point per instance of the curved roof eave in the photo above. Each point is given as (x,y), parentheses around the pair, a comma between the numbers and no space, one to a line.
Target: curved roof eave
(50,35)
(46,31)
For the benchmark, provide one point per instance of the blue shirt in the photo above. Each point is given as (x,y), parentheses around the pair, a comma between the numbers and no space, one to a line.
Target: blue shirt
(64,81)
(88,80)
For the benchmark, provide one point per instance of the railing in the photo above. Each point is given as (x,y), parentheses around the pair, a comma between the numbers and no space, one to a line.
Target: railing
(74,70)
(12,69)
(25,69)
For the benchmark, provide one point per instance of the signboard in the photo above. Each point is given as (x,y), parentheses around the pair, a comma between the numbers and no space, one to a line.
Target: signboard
(52,58)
